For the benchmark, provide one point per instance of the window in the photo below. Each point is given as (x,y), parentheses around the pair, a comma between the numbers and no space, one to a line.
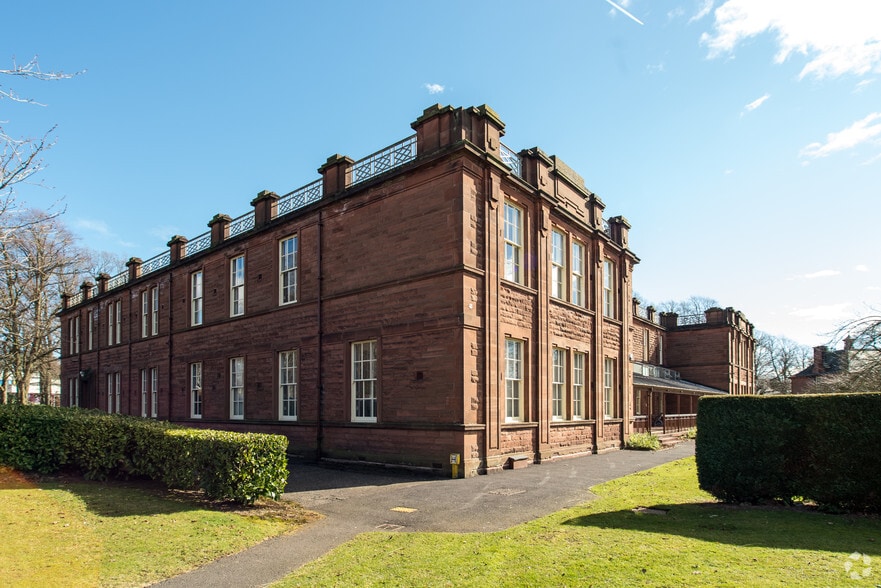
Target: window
(196,298)
(118,306)
(287,385)
(645,345)
(638,409)
(237,388)
(117,390)
(364,381)
(513,380)
(154,319)
(74,391)
(196,390)
(577,274)
(91,328)
(513,243)
(145,315)
(287,267)
(73,332)
(558,384)
(109,393)
(154,392)
(558,265)
(110,324)
(144,388)
(237,286)
(578,411)
(609,388)
(608,288)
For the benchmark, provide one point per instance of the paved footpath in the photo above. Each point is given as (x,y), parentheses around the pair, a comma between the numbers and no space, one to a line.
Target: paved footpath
(357,501)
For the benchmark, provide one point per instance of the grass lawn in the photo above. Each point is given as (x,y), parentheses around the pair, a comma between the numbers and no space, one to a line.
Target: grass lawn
(698,542)
(71,532)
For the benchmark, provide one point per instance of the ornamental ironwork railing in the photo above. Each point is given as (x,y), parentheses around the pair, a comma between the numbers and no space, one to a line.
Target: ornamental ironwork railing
(607,228)
(200,243)
(75,299)
(120,279)
(655,371)
(300,197)
(691,319)
(156,263)
(242,224)
(382,161)
(511,159)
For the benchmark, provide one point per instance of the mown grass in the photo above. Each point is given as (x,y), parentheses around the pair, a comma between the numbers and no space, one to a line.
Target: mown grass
(698,542)
(71,532)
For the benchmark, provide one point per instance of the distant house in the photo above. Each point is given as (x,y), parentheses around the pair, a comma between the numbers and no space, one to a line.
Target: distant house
(829,363)
(445,296)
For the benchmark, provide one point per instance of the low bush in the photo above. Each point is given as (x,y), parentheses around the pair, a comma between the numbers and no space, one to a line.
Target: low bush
(227,466)
(823,448)
(645,441)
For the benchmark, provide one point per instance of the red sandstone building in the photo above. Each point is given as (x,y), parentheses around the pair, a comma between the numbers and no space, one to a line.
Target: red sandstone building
(445,295)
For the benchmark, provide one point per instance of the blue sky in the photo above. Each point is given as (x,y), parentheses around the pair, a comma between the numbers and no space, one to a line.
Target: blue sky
(741,138)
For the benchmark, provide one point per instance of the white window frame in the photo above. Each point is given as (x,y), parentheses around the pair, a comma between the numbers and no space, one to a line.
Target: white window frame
(579,363)
(110,321)
(514,354)
(288,374)
(90,318)
(288,269)
(558,265)
(237,286)
(237,388)
(154,316)
(364,363)
(196,398)
(609,378)
(118,305)
(145,314)
(609,302)
(196,298)
(577,277)
(144,386)
(154,392)
(109,393)
(558,384)
(73,327)
(74,391)
(513,238)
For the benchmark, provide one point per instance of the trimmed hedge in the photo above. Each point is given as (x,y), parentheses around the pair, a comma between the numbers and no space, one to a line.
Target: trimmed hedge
(227,466)
(825,448)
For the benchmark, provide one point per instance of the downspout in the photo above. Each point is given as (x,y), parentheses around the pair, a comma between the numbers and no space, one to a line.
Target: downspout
(320,429)
(171,340)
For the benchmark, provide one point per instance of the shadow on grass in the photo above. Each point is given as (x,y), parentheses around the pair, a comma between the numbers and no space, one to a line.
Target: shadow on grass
(125,498)
(771,527)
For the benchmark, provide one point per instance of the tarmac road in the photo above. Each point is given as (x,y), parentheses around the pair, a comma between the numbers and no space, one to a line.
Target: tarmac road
(355,501)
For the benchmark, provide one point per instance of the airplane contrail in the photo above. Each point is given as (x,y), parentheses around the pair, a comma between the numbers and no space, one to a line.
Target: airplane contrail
(620,8)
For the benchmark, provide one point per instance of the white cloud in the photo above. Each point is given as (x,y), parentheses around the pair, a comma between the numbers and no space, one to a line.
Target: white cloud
(862,85)
(434,88)
(862,268)
(705,8)
(862,131)
(95,226)
(836,37)
(756,103)
(822,274)
(824,312)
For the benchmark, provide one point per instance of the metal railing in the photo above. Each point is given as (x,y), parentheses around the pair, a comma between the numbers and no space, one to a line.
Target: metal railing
(692,319)
(200,243)
(382,161)
(120,279)
(242,224)
(156,263)
(300,197)
(673,423)
(511,159)
(655,371)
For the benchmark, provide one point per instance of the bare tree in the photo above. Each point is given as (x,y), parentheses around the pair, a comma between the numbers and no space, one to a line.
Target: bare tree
(691,306)
(778,359)
(38,262)
(859,363)
(21,158)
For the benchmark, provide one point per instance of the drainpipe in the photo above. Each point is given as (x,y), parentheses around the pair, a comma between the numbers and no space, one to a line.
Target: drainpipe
(320,429)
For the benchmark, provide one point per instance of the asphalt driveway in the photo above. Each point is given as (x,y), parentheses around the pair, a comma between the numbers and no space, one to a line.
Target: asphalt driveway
(357,501)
